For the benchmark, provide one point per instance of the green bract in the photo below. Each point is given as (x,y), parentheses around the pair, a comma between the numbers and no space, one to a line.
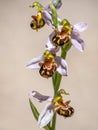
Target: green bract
(54,15)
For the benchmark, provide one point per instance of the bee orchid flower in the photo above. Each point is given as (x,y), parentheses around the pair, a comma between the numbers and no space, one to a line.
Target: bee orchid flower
(43,15)
(55,104)
(67,33)
(48,64)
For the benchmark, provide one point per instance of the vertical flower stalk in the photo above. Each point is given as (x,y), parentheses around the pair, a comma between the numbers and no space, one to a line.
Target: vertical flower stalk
(50,65)
(56,79)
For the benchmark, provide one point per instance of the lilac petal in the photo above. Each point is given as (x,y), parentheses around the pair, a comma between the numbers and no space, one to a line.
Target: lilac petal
(47,17)
(46,115)
(57,6)
(62,66)
(33,64)
(40,97)
(49,43)
(78,44)
(80,26)
(53,50)
(77,41)
(51,36)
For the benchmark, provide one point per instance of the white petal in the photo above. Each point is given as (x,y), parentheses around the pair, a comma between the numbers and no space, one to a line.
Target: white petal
(33,64)
(40,97)
(78,44)
(62,66)
(60,28)
(62,71)
(80,26)
(46,115)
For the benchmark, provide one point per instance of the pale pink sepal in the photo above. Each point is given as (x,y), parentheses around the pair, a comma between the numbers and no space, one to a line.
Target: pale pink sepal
(46,115)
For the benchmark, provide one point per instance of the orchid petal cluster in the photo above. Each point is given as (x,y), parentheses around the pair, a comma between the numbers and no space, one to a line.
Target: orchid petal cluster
(48,64)
(67,33)
(64,35)
(55,104)
(43,15)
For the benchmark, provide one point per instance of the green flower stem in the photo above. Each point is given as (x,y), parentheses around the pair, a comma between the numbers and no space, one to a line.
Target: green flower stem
(53,122)
(47,128)
(56,79)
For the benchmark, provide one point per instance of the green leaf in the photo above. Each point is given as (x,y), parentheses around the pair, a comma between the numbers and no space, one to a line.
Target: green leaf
(54,15)
(36,113)
(34,110)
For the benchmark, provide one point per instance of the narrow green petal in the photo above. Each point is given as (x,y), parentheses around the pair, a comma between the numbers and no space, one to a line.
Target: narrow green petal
(34,110)
(36,113)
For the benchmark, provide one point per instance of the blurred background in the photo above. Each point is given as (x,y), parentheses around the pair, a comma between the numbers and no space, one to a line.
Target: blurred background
(19,43)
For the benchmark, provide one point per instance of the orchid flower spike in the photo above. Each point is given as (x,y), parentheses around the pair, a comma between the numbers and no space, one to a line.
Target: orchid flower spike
(55,104)
(67,33)
(48,64)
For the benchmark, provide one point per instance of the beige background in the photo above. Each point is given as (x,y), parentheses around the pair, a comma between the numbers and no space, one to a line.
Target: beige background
(19,43)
